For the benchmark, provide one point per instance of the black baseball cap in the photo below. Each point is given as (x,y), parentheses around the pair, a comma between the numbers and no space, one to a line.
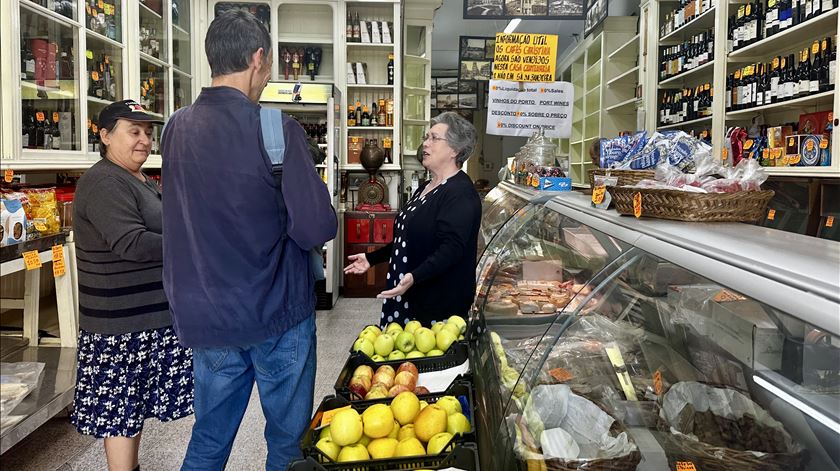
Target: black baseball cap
(128,110)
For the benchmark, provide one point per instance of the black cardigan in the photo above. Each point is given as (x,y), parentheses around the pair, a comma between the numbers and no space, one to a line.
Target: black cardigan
(438,236)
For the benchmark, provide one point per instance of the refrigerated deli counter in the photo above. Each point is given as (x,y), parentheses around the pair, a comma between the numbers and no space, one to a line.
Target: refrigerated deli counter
(500,204)
(608,342)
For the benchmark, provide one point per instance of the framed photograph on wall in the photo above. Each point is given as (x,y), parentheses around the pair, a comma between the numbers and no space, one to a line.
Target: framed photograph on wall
(527,9)
(596,11)
(473,60)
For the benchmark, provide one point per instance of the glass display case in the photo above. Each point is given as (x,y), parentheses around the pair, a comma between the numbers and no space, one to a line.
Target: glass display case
(606,342)
(497,207)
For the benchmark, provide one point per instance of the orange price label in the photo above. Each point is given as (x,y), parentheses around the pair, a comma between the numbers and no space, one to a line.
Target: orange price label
(809,145)
(535,182)
(94,75)
(598,194)
(59,269)
(792,160)
(824,143)
(326,419)
(815,48)
(791,142)
(32,260)
(637,204)
(829,221)
(8,175)
(40,116)
(771,215)
(686,466)
(55,116)
(657,382)
(725,154)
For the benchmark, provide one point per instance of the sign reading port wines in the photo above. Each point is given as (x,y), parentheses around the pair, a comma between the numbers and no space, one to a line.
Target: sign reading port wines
(525,57)
(520,109)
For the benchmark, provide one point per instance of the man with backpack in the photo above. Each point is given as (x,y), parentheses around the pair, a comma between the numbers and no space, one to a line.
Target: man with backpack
(242,210)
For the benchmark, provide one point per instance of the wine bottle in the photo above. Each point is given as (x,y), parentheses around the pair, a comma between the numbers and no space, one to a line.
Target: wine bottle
(351,114)
(815,68)
(374,115)
(56,133)
(832,62)
(358,113)
(390,69)
(804,75)
(365,116)
(383,117)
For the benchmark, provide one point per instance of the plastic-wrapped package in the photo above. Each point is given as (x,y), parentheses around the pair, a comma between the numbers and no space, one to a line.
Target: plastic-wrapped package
(12,221)
(42,211)
(616,151)
(17,380)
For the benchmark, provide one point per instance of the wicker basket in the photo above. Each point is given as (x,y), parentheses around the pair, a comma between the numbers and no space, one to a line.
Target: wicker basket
(744,206)
(625,177)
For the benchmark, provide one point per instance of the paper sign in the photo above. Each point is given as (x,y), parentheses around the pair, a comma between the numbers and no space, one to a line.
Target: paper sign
(657,382)
(637,205)
(726,296)
(511,112)
(598,194)
(771,214)
(32,260)
(328,415)
(8,175)
(58,261)
(685,466)
(829,221)
(521,57)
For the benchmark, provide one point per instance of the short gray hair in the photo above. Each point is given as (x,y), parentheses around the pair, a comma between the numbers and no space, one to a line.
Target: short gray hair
(461,134)
(231,40)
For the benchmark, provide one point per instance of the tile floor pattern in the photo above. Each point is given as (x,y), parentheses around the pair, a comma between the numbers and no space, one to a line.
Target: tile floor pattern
(57,446)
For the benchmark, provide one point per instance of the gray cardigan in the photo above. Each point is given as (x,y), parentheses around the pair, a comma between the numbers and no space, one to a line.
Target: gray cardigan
(117,225)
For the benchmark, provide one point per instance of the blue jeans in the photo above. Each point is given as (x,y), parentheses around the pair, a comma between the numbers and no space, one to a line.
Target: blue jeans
(284,369)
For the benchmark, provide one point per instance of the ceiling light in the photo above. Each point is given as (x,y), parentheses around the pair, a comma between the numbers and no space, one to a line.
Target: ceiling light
(512,25)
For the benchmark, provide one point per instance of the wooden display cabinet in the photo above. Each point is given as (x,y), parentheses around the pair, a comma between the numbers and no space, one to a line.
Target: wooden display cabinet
(363,233)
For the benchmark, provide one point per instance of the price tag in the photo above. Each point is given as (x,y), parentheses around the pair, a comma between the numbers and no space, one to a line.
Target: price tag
(598,194)
(775,62)
(748,144)
(40,116)
(55,116)
(686,466)
(94,128)
(791,142)
(535,182)
(58,261)
(637,204)
(815,49)
(793,159)
(32,260)
(725,154)
(326,419)
(823,143)
(771,215)
(89,54)
(8,175)
(829,221)
(101,5)
(809,146)
(94,75)
(657,382)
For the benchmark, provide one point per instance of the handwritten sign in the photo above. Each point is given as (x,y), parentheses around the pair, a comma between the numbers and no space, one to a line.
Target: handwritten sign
(686,466)
(59,269)
(8,175)
(32,260)
(637,204)
(519,111)
(328,415)
(598,194)
(657,382)
(521,57)
(771,214)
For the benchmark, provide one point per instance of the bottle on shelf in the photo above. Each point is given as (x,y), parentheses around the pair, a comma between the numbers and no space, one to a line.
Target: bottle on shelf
(804,73)
(815,68)
(390,69)
(383,116)
(56,132)
(389,112)
(365,116)
(349,27)
(374,115)
(357,29)
(358,113)
(351,115)
(831,60)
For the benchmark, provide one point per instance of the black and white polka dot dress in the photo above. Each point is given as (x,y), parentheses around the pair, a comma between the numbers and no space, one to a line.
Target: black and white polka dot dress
(398,309)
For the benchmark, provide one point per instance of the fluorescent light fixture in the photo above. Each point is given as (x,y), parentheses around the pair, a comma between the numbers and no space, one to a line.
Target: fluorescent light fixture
(512,25)
(815,414)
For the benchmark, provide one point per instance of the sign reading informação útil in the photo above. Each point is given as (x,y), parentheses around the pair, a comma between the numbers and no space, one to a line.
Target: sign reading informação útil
(515,112)
(523,57)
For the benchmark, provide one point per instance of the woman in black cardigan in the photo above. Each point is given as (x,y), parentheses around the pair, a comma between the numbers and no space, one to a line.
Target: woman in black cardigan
(431,261)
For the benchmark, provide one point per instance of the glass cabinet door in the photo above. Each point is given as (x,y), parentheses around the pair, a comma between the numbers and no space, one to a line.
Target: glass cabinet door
(104,57)
(49,83)
(181,53)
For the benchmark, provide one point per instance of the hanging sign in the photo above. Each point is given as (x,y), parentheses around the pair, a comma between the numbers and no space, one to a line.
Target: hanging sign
(523,57)
(515,112)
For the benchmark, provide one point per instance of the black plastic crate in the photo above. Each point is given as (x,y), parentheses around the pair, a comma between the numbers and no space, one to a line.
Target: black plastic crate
(456,355)
(463,391)
(464,456)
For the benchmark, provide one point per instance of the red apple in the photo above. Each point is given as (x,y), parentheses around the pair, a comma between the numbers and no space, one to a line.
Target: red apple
(408,366)
(387,369)
(421,390)
(397,389)
(363,370)
(406,379)
(384,379)
(359,385)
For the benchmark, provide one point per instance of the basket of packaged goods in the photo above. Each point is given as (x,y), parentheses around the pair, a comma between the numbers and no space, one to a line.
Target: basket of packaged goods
(362,379)
(560,430)
(375,435)
(720,429)
(679,205)
(464,456)
(412,341)
(599,176)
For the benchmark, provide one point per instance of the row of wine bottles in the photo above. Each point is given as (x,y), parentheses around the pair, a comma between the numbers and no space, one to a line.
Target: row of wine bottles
(381,113)
(679,106)
(764,18)
(689,55)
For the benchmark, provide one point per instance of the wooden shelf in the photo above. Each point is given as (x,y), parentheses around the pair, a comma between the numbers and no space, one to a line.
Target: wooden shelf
(704,70)
(684,124)
(627,106)
(826,98)
(624,77)
(630,46)
(705,21)
(825,24)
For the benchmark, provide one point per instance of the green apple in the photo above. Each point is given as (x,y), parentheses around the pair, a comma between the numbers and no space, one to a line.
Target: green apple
(393,328)
(405,342)
(444,340)
(377,358)
(414,354)
(458,423)
(453,329)
(434,353)
(424,339)
(384,345)
(325,433)
(364,346)
(355,452)
(438,442)
(369,336)
(450,404)
(375,330)
(459,321)
(396,355)
(329,448)
(438,327)
(460,337)
(412,326)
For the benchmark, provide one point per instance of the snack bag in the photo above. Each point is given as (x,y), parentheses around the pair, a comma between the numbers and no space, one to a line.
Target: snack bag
(614,152)
(43,211)
(13,221)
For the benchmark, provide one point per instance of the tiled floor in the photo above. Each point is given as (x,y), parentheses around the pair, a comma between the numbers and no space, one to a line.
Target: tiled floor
(57,446)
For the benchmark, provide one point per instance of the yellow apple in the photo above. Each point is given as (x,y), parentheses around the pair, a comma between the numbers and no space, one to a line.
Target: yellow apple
(434,353)
(424,339)
(458,423)
(452,329)
(406,431)
(438,327)
(444,338)
(438,443)
(410,447)
(459,321)
(412,326)
(369,336)
(364,346)
(395,432)
(328,447)
(429,422)
(393,327)
(405,407)
(346,427)
(450,404)
(378,421)
(353,453)
(414,354)
(382,448)
(325,433)
(396,355)
(423,404)
(384,345)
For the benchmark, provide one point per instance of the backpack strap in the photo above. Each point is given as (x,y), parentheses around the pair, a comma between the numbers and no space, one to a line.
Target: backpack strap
(271,122)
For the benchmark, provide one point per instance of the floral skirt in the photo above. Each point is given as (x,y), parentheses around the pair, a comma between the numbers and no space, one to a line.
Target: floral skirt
(124,379)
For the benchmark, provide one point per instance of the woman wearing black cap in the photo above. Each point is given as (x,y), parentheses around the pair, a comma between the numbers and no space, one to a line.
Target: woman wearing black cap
(131,366)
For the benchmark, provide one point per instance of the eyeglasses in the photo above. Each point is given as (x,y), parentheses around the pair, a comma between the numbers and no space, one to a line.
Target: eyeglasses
(433,138)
